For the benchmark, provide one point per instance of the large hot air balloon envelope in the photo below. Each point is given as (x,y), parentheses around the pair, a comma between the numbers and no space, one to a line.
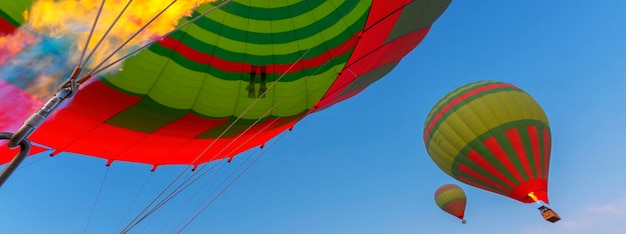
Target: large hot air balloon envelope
(231,80)
(452,199)
(494,136)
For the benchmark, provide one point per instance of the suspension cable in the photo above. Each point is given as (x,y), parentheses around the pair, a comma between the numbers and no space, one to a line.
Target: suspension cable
(135,34)
(95,203)
(133,203)
(106,33)
(229,184)
(185,184)
(206,182)
(95,71)
(93,28)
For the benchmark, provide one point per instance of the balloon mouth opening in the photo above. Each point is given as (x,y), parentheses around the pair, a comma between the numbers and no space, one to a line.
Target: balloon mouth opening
(531,191)
(537,197)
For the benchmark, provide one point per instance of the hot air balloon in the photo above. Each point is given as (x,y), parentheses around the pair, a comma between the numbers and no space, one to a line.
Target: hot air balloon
(230,76)
(451,199)
(493,136)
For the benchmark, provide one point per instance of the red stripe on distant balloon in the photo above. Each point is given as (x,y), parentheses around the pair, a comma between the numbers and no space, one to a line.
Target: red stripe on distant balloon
(516,141)
(453,103)
(446,188)
(496,149)
(546,156)
(477,176)
(534,143)
(475,157)
(465,169)
(457,207)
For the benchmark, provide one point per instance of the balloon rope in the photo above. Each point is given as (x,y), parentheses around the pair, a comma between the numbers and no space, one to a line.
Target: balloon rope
(180,209)
(96,71)
(132,204)
(95,203)
(229,184)
(152,202)
(106,33)
(173,194)
(182,186)
(185,184)
(135,35)
(93,28)
(32,162)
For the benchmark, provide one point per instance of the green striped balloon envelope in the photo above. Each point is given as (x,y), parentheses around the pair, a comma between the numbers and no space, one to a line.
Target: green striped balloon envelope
(493,136)
(230,81)
(452,199)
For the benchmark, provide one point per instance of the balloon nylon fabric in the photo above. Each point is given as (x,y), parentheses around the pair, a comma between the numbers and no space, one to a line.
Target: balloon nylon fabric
(494,136)
(173,99)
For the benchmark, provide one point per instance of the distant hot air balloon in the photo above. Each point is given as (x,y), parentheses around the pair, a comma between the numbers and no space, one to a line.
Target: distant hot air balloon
(493,136)
(451,198)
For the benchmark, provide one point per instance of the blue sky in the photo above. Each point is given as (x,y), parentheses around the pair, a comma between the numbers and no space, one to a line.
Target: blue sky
(361,167)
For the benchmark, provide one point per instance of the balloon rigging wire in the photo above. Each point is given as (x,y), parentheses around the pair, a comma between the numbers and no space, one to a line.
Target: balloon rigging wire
(132,204)
(157,207)
(206,182)
(153,200)
(106,33)
(96,71)
(261,130)
(25,165)
(231,183)
(134,35)
(95,203)
(238,118)
(185,184)
(215,193)
(93,28)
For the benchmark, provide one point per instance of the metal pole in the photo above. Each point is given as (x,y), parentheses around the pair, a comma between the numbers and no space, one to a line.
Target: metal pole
(10,168)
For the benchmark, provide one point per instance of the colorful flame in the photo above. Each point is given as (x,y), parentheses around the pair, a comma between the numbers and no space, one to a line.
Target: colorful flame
(46,48)
(13,44)
(45,18)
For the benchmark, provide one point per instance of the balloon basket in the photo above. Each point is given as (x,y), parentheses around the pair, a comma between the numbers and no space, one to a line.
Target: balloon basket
(549,215)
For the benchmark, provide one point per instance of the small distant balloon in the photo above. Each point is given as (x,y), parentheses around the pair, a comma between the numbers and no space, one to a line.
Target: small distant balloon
(452,199)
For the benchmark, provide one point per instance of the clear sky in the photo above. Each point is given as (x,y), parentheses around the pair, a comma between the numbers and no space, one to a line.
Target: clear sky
(361,167)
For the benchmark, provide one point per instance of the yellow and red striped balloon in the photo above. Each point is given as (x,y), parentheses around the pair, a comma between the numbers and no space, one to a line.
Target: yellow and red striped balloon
(493,136)
(451,199)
